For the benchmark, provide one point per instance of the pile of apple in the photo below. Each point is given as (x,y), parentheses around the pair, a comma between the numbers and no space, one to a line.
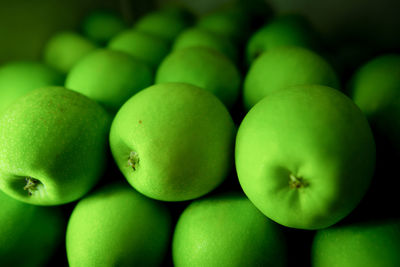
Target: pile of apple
(208,141)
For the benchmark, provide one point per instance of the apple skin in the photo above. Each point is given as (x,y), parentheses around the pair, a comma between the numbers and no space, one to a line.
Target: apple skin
(375,88)
(28,234)
(166,24)
(368,243)
(305,156)
(17,78)
(282,67)
(117,226)
(285,30)
(227,230)
(149,48)
(54,138)
(109,77)
(64,49)
(196,36)
(173,141)
(203,67)
(102,25)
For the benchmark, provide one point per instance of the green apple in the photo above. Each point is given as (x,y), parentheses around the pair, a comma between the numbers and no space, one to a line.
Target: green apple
(29,234)
(109,77)
(287,30)
(282,67)
(305,156)
(232,22)
(20,77)
(375,88)
(52,146)
(227,230)
(149,48)
(173,141)
(163,23)
(196,36)
(203,67)
(64,49)
(117,226)
(368,243)
(102,25)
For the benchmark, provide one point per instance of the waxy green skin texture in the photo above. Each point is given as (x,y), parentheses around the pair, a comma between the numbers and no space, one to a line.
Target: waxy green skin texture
(102,25)
(173,141)
(196,36)
(149,48)
(227,230)
(65,49)
(282,67)
(305,156)
(117,226)
(28,234)
(287,30)
(56,138)
(20,77)
(163,23)
(375,88)
(109,77)
(370,243)
(204,67)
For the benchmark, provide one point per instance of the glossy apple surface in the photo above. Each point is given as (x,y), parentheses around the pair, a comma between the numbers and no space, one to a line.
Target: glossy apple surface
(305,156)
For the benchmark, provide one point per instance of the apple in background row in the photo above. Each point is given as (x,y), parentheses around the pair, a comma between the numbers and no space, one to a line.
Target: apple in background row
(369,243)
(109,77)
(204,67)
(29,235)
(53,145)
(282,67)
(20,77)
(227,230)
(117,226)
(305,156)
(173,141)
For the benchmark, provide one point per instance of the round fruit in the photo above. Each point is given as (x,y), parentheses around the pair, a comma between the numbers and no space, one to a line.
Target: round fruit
(305,156)
(173,141)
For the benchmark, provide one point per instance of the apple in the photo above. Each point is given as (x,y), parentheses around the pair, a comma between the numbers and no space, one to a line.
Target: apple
(149,48)
(196,36)
(284,30)
(28,234)
(109,77)
(102,25)
(375,88)
(231,22)
(369,243)
(17,78)
(173,141)
(165,23)
(117,226)
(282,67)
(227,230)
(203,67)
(305,156)
(53,144)
(64,49)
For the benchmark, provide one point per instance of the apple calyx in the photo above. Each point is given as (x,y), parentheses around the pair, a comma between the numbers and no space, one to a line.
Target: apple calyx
(31,185)
(296,182)
(133,160)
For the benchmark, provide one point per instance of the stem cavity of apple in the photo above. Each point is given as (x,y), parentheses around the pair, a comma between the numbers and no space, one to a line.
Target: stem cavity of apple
(31,185)
(133,160)
(296,182)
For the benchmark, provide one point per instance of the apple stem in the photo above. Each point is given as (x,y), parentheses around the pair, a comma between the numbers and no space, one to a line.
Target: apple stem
(31,184)
(296,182)
(133,160)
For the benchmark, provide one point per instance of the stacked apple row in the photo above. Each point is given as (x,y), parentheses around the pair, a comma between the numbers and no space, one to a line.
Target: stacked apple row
(164,97)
